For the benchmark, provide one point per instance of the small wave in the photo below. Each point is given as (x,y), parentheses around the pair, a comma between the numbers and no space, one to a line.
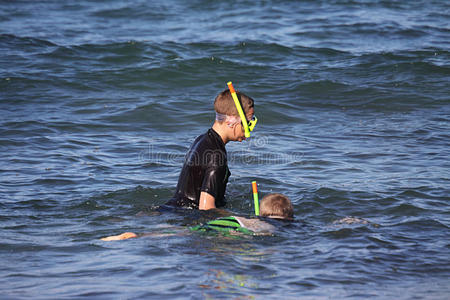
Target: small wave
(54,182)
(139,196)
(24,43)
(422,224)
(405,209)
(150,11)
(391,28)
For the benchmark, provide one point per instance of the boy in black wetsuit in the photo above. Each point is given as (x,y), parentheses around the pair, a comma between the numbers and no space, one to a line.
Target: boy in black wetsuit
(205,173)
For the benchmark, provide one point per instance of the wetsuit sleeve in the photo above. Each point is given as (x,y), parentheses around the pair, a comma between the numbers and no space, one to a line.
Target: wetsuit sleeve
(214,180)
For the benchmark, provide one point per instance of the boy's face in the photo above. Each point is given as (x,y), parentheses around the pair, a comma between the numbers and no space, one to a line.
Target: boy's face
(239,133)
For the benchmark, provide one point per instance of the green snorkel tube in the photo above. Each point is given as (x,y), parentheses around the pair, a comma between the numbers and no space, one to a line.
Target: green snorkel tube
(255,197)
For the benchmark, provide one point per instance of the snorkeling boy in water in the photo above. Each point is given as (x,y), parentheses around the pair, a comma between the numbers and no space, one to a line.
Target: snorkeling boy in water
(204,176)
(274,206)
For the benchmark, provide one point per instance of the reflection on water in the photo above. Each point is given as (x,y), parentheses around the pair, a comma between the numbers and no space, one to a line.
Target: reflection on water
(235,286)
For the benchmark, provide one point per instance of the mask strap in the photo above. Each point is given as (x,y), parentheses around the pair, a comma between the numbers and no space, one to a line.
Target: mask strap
(226,118)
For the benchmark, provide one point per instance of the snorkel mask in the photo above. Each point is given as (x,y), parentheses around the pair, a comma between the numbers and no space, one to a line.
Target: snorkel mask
(248,125)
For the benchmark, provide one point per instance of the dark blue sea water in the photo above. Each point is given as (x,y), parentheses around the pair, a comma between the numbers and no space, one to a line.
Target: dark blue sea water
(100,100)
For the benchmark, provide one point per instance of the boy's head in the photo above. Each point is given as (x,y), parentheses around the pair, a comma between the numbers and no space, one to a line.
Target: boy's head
(276,206)
(224,104)
(227,115)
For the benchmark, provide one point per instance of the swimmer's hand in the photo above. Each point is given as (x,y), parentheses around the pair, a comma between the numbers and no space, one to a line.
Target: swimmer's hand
(123,236)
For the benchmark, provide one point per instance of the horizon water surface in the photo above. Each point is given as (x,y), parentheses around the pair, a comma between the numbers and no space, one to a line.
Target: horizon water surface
(100,100)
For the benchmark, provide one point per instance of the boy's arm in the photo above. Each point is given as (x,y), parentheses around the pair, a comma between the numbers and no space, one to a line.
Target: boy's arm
(123,236)
(206,201)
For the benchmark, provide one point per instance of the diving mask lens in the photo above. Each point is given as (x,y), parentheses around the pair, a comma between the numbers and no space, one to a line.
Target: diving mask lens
(252,123)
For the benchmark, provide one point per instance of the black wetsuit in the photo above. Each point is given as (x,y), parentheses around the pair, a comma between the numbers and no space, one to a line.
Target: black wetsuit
(205,170)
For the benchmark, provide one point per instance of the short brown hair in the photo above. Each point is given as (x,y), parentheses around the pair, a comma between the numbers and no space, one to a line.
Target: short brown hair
(224,103)
(276,205)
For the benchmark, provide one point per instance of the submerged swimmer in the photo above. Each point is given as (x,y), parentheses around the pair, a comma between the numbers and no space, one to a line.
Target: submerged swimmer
(354,221)
(204,176)
(350,220)
(273,206)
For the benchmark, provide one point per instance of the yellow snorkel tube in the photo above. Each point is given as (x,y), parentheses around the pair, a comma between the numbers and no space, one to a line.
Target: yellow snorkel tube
(248,125)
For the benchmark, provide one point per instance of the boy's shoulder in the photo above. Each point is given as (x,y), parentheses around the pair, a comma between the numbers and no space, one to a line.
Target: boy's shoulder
(210,143)
(256,225)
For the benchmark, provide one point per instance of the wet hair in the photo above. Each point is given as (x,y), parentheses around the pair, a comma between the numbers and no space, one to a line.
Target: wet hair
(224,103)
(276,205)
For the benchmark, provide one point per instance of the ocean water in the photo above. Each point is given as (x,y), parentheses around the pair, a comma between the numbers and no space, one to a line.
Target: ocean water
(100,100)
